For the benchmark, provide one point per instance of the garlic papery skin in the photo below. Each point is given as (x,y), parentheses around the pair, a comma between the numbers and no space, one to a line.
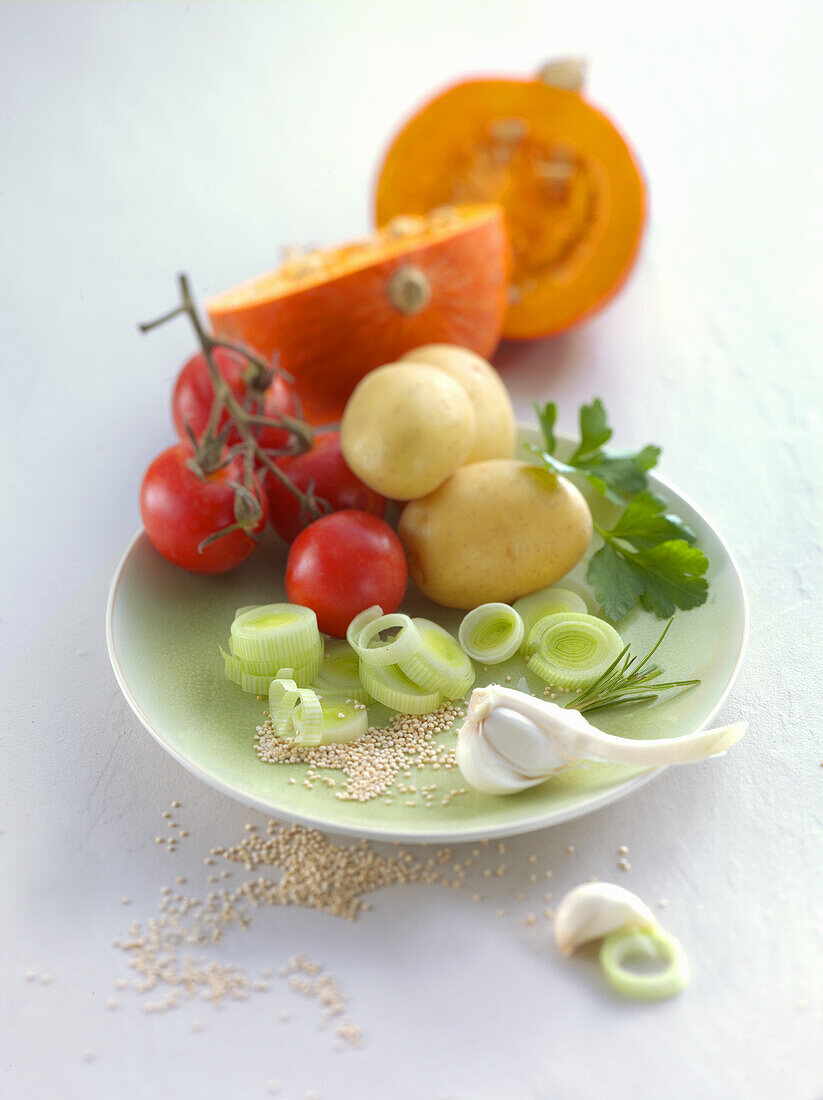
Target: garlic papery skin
(511,741)
(594,910)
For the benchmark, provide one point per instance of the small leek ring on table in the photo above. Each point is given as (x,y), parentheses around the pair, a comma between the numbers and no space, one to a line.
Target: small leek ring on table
(366,626)
(637,943)
(278,634)
(548,601)
(439,664)
(571,651)
(492,633)
(391,687)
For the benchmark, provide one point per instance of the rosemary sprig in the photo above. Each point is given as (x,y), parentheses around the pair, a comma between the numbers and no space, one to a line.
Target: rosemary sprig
(624,682)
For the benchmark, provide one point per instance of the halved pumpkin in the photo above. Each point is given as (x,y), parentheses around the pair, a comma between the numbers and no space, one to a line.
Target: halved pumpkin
(574,197)
(334,315)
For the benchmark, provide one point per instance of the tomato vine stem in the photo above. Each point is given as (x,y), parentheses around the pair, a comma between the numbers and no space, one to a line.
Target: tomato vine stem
(209,449)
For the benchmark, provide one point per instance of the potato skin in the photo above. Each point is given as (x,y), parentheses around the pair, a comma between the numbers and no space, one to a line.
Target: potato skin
(405,428)
(494,531)
(496,432)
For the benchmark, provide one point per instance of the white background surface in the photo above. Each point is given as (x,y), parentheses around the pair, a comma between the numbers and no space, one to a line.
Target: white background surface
(139,140)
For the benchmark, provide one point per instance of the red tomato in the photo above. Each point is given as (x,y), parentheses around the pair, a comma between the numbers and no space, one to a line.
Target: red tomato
(193,395)
(342,564)
(179,510)
(333,482)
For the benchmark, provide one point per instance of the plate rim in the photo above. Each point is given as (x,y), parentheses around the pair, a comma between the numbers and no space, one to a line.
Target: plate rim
(532,824)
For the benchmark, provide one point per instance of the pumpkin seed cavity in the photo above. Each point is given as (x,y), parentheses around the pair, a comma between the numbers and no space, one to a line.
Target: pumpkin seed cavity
(554,195)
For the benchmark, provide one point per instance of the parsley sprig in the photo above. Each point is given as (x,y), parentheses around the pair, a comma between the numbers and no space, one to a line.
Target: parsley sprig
(649,553)
(616,475)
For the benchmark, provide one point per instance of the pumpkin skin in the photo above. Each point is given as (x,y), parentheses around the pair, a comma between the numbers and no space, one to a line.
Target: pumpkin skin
(333,316)
(574,196)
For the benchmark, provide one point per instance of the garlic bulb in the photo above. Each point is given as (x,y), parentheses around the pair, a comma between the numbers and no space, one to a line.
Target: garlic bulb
(511,741)
(593,910)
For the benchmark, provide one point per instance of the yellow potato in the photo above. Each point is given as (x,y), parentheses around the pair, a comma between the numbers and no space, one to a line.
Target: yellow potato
(494,531)
(495,432)
(405,428)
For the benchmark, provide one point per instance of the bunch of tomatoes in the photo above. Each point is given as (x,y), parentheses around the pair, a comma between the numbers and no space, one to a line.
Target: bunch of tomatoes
(207,501)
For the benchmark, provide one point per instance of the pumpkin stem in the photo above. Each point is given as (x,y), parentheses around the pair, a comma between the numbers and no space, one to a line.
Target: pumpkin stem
(566,73)
(409,289)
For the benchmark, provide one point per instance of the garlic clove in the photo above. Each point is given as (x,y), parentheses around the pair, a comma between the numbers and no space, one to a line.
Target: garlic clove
(594,910)
(522,743)
(580,738)
(511,740)
(485,769)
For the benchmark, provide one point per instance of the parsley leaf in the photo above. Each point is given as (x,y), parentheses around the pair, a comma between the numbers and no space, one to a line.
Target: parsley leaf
(644,522)
(674,578)
(615,582)
(594,430)
(649,553)
(546,418)
(665,572)
(616,475)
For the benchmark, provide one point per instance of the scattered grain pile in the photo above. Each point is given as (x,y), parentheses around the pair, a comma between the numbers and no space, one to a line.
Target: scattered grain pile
(372,762)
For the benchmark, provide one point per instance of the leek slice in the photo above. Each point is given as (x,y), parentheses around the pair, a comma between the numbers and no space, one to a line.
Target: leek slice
(637,943)
(360,621)
(391,687)
(338,678)
(277,633)
(492,633)
(283,685)
(256,676)
(342,722)
(362,631)
(304,672)
(439,664)
(548,601)
(254,683)
(299,715)
(572,651)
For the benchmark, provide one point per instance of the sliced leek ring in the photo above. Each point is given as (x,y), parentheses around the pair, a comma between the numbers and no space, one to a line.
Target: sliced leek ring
(256,676)
(439,664)
(491,633)
(299,715)
(548,601)
(338,678)
(342,722)
(360,634)
(308,667)
(254,683)
(278,633)
(283,685)
(572,651)
(391,687)
(644,943)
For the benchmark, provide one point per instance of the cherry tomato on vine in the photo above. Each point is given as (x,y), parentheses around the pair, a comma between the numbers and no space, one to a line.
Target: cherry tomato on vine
(180,510)
(334,482)
(193,396)
(342,564)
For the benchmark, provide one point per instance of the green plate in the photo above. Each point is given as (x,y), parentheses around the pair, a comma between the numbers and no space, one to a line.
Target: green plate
(164,626)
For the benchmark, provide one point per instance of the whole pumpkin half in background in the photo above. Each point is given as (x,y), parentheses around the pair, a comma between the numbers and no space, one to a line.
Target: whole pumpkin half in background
(335,314)
(573,194)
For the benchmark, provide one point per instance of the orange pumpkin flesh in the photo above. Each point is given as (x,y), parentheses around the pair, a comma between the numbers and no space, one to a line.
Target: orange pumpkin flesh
(573,195)
(334,315)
